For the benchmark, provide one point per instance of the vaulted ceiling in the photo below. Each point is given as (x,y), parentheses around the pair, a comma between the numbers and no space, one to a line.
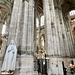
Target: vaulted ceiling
(3,13)
(39,5)
(68,5)
(5,9)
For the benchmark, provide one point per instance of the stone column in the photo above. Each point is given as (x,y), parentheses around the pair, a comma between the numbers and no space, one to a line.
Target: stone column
(15,22)
(59,42)
(25,25)
(52,40)
(30,36)
(61,31)
(64,32)
(58,38)
(39,33)
(55,36)
(51,28)
(69,37)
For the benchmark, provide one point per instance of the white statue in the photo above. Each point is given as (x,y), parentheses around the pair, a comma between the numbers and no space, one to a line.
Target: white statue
(10,58)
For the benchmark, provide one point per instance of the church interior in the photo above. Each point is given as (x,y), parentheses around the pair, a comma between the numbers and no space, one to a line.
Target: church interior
(37,37)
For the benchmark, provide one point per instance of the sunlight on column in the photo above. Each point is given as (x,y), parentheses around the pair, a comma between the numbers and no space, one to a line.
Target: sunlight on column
(4,29)
(37,22)
(42,20)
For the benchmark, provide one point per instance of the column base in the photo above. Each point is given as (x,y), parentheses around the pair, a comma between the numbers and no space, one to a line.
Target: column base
(56,66)
(25,65)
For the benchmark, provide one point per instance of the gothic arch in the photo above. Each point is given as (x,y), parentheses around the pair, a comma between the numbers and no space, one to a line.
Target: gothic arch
(7,4)
(67,6)
(3,12)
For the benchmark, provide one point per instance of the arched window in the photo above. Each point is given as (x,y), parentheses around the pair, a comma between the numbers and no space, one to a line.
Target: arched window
(72,15)
(72,23)
(72,12)
(42,20)
(37,22)
(3,33)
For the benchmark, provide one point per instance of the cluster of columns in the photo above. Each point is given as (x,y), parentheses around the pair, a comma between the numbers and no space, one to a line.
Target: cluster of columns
(21,30)
(58,36)
(59,40)
(28,27)
(22,25)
